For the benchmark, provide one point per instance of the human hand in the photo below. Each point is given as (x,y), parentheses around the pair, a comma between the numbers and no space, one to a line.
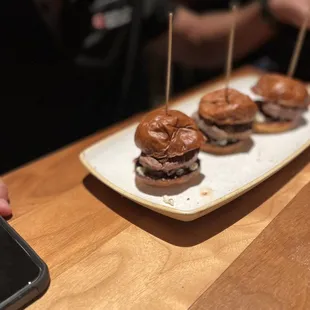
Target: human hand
(291,12)
(5,209)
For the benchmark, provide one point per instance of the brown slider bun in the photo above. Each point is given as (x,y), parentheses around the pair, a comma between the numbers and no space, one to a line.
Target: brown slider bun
(239,109)
(169,147)
(226,118)
(225,150)
(166,136)
(282,89)
(274,127)
(143,180)
(283,101)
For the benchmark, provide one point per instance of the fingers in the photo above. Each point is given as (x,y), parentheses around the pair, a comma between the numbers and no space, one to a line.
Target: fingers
(5,209)
(302,13)
(3,191)
(291,12)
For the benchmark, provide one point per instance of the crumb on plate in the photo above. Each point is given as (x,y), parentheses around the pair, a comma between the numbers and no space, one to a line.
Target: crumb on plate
(168,200)
(205,191)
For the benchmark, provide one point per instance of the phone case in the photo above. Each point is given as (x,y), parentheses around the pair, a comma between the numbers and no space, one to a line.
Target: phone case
(38,287)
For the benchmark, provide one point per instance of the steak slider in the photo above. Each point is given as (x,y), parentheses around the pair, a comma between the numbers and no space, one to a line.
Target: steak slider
(169,147)
(225,117)
(283,101)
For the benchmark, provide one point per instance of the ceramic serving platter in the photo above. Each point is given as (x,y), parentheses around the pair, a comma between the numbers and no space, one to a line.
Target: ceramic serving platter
(223,178)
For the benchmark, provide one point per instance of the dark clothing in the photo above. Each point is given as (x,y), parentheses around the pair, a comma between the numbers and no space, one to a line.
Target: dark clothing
(57,90)
(280,51)
(209,5)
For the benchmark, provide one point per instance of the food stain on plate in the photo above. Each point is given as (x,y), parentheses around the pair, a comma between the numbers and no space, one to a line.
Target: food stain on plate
(206,191)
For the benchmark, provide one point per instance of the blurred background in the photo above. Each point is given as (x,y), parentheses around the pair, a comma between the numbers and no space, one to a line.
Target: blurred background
(272,56)
(67,73)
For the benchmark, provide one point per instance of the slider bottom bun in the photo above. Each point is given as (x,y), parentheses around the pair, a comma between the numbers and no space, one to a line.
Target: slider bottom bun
(237,147)
(274,127)
(145,180)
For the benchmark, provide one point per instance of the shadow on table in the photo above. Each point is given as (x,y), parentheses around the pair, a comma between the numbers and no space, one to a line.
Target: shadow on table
(186,234)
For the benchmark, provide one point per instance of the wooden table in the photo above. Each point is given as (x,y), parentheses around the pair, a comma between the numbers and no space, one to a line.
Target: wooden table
(105,252)
(273,273)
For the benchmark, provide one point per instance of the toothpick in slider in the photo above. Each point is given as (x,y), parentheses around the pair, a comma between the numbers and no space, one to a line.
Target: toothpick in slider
(168,83)
(298,46)
(231,47)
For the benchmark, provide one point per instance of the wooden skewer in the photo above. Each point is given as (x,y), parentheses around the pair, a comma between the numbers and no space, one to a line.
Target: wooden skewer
(298,47)
(231,47)
(168,84)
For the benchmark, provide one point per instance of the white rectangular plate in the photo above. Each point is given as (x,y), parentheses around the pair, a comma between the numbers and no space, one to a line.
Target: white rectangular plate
(226,177)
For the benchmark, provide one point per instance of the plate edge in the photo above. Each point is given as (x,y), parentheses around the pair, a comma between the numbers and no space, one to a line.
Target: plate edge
(201,211)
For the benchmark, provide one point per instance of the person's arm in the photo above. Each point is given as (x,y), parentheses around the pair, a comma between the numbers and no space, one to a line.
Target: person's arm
(209,36)
(200,40)
(5,209)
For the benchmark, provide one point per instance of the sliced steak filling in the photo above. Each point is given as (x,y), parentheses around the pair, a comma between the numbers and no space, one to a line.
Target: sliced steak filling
(167,168)
(274,112)
(223,135)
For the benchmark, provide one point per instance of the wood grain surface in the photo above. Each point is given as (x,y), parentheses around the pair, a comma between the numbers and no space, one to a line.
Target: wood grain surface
(105,252)
(274,272)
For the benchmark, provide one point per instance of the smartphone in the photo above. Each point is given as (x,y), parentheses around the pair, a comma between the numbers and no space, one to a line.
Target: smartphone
(24,277)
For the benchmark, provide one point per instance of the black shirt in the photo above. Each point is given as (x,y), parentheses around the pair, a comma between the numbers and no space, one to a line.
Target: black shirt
(58,89)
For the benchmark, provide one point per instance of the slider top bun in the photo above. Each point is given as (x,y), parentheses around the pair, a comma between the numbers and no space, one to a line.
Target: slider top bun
(239,109)
(166,136)
(284,90)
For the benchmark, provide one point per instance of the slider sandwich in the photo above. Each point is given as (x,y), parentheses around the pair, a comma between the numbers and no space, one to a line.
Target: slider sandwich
(225,117)
(170,143)
(283,101)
